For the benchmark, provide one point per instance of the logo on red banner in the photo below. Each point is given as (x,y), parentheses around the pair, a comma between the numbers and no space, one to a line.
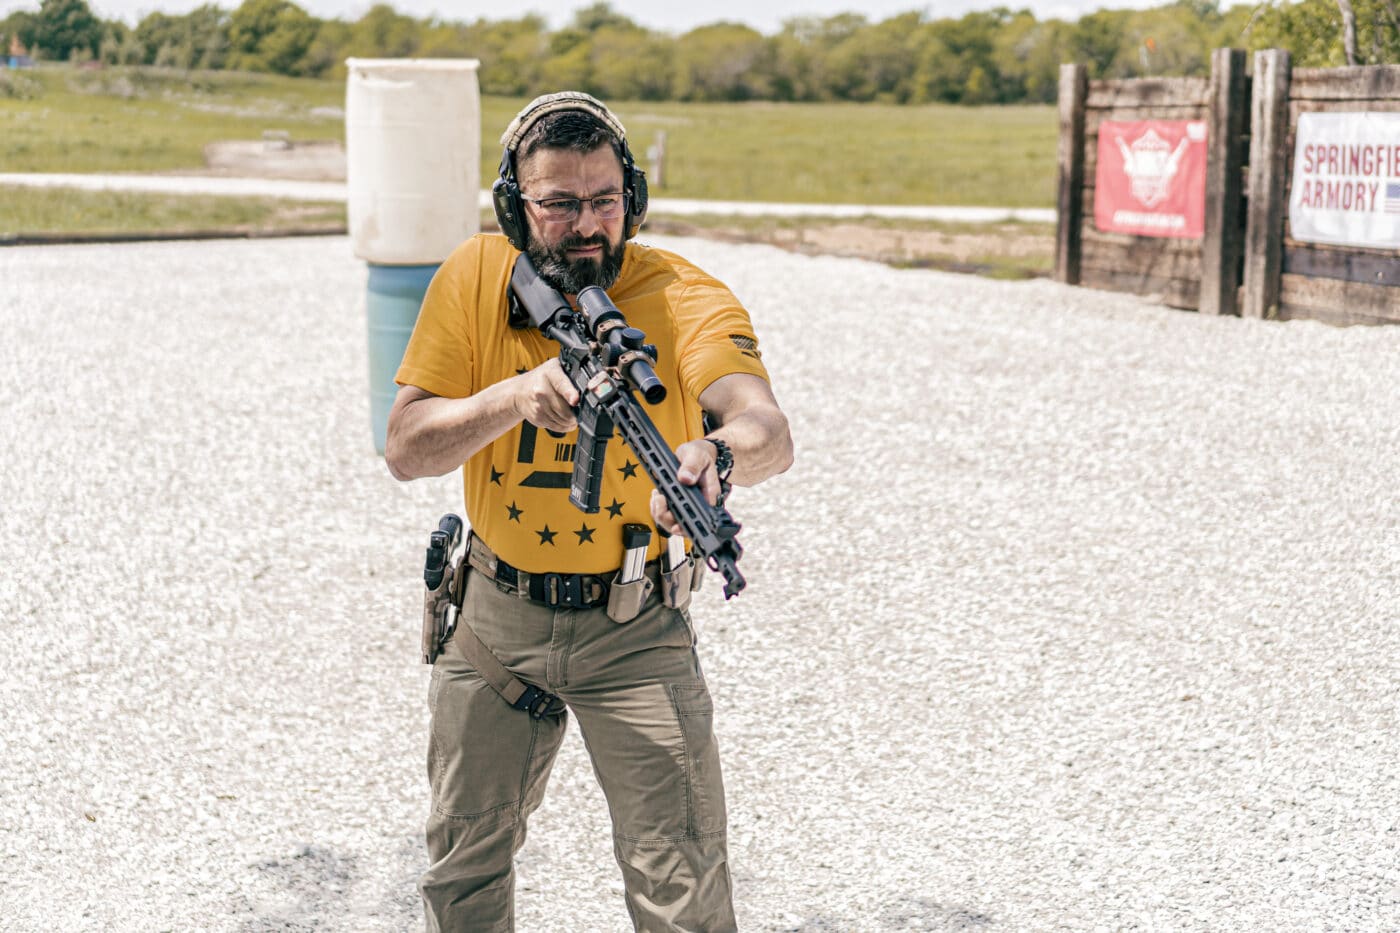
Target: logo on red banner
(1151,178)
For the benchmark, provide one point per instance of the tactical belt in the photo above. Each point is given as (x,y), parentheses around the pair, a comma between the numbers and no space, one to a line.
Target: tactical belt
(553,590)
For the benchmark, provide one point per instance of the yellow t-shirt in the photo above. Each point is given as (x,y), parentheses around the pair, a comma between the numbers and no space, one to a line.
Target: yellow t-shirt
(517,487)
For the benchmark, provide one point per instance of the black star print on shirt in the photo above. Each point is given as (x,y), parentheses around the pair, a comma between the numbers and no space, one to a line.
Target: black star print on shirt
(546,536)
(628,470)
(615,510)
(585,533)
(496,475)
(515,513)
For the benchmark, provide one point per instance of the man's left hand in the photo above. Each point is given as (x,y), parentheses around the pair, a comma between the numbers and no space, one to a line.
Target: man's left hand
(697,469)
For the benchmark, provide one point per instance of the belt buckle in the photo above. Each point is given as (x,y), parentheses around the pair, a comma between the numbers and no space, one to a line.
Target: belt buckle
(538,703)
(565,589)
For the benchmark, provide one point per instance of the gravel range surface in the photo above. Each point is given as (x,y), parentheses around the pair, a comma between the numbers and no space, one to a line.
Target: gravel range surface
(1075,613)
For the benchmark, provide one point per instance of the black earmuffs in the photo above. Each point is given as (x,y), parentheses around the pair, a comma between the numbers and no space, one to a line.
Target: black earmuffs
(505,192)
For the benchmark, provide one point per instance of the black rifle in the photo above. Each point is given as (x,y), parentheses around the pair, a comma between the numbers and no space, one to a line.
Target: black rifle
(606,360)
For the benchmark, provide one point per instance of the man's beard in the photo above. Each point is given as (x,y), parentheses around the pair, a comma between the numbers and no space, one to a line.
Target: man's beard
(572,276)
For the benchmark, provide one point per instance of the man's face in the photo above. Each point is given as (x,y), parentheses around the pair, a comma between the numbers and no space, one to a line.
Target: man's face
(587,250)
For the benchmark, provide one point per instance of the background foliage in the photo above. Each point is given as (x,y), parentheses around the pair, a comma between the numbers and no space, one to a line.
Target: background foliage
(991,57)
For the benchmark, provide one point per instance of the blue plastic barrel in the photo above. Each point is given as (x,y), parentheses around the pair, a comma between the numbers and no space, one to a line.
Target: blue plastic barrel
(394,295)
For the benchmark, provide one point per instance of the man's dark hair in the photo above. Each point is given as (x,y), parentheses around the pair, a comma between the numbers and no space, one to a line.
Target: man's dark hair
(577,130)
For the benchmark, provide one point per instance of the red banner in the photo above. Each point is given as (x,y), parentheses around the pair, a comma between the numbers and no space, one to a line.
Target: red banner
(1151,178)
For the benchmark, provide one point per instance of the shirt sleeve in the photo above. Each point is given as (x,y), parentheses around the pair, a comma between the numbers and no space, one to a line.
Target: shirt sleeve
(439,358)
(715,337)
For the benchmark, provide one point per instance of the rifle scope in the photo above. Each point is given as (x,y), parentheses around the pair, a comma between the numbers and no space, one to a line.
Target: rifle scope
(622,343)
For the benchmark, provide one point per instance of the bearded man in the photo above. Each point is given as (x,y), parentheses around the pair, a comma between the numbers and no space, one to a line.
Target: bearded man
(481,392)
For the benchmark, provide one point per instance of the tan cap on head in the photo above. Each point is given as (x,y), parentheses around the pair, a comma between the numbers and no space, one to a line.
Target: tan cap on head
(549,103)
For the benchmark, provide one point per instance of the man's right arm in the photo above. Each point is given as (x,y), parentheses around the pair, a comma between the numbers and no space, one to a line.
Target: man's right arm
(430,435)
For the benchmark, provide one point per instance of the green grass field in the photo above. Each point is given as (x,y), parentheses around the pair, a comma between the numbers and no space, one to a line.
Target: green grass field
(151,120)
(853,153)
(67,211)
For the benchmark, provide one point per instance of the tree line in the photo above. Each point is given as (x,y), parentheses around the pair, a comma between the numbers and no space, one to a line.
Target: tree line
(996,56)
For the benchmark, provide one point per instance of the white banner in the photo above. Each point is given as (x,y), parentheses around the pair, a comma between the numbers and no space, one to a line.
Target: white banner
(1346,179)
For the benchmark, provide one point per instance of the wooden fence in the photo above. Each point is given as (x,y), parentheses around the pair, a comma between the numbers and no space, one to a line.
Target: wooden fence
(1244,263)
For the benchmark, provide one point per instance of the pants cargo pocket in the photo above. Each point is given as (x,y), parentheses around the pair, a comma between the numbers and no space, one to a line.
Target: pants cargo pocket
(704,784)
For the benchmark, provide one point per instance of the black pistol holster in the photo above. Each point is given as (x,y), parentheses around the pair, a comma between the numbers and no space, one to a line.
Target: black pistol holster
(445,576)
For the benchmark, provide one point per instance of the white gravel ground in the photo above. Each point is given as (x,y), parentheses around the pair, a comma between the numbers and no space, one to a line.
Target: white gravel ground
(1075,613)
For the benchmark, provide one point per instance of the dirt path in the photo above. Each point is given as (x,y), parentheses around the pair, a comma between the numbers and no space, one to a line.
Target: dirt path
(1008,250)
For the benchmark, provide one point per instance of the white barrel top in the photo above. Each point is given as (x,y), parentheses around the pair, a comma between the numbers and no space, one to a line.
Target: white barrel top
(413,157)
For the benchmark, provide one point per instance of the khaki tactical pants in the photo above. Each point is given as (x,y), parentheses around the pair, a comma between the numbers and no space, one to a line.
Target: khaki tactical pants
(645,714)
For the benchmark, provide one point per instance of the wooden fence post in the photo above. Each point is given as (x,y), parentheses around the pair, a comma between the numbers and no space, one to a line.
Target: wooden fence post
(1222,244)
(1268,161)
(1069,221)
(656,154)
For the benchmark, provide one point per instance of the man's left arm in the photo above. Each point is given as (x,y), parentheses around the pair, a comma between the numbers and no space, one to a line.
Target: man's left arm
(751,425)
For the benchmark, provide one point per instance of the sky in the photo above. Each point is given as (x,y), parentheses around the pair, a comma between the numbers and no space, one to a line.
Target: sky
(766,16)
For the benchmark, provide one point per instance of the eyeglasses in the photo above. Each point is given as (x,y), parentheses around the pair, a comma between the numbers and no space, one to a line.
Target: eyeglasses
(559,210)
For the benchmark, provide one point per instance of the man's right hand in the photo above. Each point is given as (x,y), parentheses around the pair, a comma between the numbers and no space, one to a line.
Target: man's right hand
(430,435)
(546,398)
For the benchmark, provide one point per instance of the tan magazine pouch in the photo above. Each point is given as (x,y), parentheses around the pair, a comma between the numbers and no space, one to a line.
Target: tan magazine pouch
(678,584)
(625,599)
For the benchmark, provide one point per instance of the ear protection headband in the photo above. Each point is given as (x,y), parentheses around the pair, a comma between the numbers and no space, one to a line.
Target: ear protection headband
(505,193)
